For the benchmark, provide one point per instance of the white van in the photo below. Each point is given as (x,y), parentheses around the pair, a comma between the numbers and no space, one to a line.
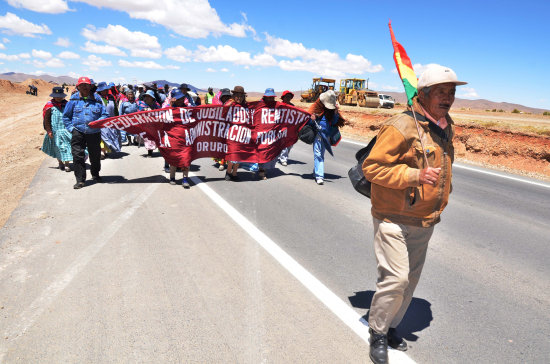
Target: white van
(386,101)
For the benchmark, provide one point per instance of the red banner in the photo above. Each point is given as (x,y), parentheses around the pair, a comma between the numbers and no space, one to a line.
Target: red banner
(256,133)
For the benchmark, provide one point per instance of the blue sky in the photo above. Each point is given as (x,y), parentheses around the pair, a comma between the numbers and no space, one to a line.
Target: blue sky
(500,47)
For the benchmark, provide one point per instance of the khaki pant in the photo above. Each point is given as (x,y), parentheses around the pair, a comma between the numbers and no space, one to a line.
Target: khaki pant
(400,254)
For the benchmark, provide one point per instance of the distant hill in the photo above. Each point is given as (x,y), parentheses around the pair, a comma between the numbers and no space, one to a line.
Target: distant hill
(20,77)
(161,83)
(479,104)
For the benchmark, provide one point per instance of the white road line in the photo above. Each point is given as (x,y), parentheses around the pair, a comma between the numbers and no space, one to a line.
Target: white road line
(462,166)
(40,304)
(345,313)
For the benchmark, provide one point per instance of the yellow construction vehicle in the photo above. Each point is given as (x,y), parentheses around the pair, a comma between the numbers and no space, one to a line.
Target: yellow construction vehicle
(353,92)
(318,86)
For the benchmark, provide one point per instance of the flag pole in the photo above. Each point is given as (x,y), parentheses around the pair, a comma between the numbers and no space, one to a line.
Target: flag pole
(420,137)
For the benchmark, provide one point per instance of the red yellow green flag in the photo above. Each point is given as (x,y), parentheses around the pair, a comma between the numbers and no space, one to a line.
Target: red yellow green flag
(405,68)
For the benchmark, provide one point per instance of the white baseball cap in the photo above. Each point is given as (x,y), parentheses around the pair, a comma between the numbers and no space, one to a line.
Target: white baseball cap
(435,74)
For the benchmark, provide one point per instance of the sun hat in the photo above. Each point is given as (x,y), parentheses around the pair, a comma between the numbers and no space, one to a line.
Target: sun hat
(150,93)
(436,74)
(286,92)
(58,92)
(111,84)
(102,86)
(238,89)
(184,86)
(225,92)
(328,98)
(83,80)
(92,82)
(269,92)
(177,94)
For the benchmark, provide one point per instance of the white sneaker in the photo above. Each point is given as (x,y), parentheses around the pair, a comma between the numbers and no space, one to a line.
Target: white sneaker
(284,163)
(319,181)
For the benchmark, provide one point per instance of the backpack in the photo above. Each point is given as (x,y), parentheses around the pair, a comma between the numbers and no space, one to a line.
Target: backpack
(307,133)
(356,176)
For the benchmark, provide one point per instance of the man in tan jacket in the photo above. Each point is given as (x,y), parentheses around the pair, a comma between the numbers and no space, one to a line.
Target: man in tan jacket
(408,196)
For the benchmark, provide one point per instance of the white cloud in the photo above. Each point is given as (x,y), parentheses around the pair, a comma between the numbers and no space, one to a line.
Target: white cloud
(73,74)
(63,42)
(179,53)
(146,53)
(2,46)
(190,18)
(420,68)
(467,92)
(94,62)
(102,49)
(284,48)
(331,65)
(41,54)
(321,62)
(52,63)
(211,70)
(41,6)
(220,53)
(12,24)
(5,40)
(119,36)
(224,70)
(146,64)
(14,57)
(68,55)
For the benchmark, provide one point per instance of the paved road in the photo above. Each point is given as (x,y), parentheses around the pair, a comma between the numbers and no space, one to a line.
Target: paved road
(136,270)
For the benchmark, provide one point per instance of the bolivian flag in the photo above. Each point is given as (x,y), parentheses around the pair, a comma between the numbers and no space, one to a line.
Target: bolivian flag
(405,68)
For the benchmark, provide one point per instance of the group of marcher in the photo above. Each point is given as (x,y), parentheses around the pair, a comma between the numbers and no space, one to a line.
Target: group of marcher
(410,168)
(70,139)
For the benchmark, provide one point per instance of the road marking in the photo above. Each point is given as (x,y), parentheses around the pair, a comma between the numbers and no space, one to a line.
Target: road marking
(37,307)
(459,165)
(462,166)
(345,313)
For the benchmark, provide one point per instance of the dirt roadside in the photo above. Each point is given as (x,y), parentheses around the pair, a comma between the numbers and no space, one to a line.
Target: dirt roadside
(21,136)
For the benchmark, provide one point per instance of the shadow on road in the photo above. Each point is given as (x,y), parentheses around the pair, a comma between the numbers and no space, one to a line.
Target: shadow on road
(417,318)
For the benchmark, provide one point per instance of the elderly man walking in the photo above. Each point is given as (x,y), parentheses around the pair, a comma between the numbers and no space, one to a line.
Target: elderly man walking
(411,183)
(83,108)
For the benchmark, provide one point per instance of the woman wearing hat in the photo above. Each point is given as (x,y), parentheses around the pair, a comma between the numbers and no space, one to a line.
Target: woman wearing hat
(57,141)
(221,98)
(268,100)
(110,137)
(326,115)
(127,107)
(238,97)
(149,103)
(178,100)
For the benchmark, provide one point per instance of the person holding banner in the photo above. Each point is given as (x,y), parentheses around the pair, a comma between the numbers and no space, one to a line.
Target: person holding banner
(268,100)
(325,114)
(286,98)
(178,100)
(83,108)
(410,167)
(238,97)
(149,103)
